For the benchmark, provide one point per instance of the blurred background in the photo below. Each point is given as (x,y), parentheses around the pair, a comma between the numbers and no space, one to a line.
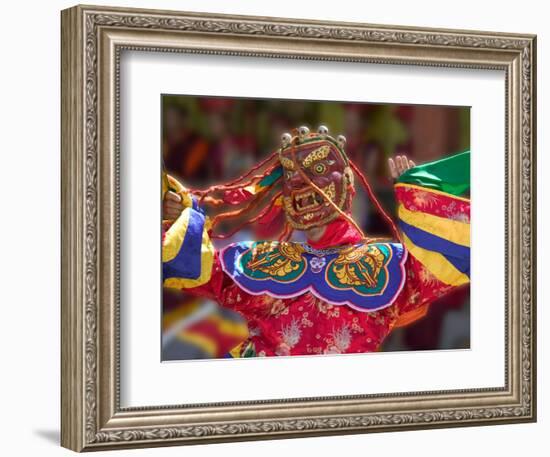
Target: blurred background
(210,140)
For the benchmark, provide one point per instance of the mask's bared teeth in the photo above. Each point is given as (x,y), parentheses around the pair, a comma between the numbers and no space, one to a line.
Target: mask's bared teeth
(307,201)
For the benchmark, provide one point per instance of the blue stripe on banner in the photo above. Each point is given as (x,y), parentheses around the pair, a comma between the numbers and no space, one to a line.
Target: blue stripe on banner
(456,254)
(187,263)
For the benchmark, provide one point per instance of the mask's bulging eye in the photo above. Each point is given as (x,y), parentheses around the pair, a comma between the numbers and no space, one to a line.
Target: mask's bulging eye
(319,168)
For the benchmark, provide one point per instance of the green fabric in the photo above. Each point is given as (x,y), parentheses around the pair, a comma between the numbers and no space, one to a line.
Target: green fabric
(272,177)
(450,175)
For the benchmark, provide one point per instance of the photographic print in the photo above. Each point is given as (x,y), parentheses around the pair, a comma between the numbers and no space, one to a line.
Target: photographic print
(308,228)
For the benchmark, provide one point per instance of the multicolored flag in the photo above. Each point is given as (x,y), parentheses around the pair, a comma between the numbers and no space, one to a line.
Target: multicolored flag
(434,216)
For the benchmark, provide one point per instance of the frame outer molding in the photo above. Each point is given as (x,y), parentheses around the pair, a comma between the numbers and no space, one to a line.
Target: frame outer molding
(73,392)
(92,39)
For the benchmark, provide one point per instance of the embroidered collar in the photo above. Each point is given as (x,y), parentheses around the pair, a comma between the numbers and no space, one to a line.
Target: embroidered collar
(364,276)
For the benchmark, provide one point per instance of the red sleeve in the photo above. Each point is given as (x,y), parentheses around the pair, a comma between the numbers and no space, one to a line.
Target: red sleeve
(218,282)
(421,288)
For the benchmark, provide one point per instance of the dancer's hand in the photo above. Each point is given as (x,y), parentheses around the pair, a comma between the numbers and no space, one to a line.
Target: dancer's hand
(172,206)
(399,166)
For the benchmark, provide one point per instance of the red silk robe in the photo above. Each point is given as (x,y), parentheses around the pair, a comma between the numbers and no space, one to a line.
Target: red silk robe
(306,325)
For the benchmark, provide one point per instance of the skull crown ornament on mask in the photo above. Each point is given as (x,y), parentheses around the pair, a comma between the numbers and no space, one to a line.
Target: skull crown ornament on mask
(317,178)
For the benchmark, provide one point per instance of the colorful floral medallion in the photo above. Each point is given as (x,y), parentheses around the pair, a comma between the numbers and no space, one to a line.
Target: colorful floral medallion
(366,277)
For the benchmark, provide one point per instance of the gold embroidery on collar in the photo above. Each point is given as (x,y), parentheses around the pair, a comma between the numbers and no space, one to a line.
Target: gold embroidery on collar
(356,266)
(276,259)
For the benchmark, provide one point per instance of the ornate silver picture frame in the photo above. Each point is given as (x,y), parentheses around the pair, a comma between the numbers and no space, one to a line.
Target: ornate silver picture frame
(93,40)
